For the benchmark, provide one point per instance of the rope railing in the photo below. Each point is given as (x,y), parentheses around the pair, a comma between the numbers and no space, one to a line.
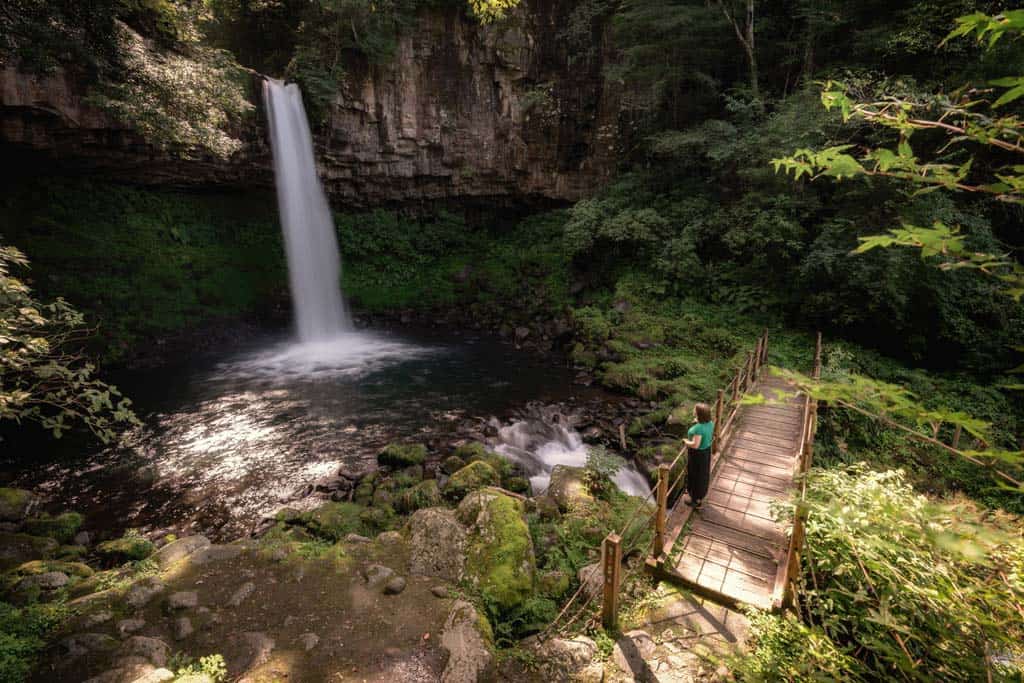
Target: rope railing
(612,546)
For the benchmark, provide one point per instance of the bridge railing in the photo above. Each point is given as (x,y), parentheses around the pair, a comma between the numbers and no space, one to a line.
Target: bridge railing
(789,567)
(728,402)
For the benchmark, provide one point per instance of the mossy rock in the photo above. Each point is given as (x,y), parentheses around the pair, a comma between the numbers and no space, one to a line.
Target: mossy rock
(499,559)
(518,485)
(14,504)
(452,464)
(477,452)
(36,567)
(71,553)
(408,477)
(568,488)
(553,583)
(377,519)
(16,549)
(384,496)
(126,548)
(470,478)
(61,528)
(334,521)
(423,495)
(402,455)
(363,495)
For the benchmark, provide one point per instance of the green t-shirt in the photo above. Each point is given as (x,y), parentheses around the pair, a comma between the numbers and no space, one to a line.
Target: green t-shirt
(706,431)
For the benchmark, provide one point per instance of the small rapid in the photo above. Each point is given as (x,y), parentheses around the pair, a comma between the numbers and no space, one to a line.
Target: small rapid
(545,438)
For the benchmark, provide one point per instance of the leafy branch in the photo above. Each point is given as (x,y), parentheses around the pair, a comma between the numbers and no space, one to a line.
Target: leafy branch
(42,379)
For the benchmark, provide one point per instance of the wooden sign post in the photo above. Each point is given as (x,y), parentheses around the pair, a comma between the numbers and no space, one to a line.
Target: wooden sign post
(611,563)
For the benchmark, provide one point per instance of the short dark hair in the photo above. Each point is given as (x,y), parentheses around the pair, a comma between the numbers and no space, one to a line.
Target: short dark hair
(703,411)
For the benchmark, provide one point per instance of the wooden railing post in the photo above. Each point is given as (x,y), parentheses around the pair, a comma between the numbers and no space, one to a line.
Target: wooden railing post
(764,348)
(757,359)
(664,472)
(736,386)
(611,561)
(750,367)
(715,446)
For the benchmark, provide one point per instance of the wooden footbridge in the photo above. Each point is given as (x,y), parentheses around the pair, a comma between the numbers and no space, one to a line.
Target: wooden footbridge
(731,549)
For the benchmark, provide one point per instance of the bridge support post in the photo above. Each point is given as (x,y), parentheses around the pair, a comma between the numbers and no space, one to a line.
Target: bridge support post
(664,472)
(611,563)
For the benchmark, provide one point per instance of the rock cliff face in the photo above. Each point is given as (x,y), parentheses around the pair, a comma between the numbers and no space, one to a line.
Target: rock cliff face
(462,111)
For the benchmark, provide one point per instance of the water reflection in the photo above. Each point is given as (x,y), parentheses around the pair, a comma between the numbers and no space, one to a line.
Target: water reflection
(227,441)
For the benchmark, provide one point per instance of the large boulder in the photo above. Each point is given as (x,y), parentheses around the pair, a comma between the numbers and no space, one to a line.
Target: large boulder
(561,659)
(469,641)
(15,504)
(568,488)
(16,549)
(499,558)
(179,550)
(437,544)
(470,478)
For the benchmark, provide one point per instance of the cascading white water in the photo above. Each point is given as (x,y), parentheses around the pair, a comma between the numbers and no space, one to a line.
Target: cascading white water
(314,264)
(545,439)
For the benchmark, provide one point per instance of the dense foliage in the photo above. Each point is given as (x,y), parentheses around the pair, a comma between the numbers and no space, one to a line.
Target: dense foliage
(897,588)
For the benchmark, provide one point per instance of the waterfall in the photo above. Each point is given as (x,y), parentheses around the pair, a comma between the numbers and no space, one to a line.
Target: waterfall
(314,264)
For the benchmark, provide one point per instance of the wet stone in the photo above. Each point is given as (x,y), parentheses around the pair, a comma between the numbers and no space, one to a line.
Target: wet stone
(243,592)
(182,600)
(394,586)
(182,628)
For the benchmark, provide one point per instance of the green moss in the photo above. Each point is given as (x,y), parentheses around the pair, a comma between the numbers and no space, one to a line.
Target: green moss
(71,552)
(378,519)
(334,521)
(410,476)
(471,477)
(499,559)
(452,464)
(126,548)
(61,528)
(518,485)
(402,455)
(20,548)
(363,495)
(43,566)
(13,503)
(423,495)
(477,452)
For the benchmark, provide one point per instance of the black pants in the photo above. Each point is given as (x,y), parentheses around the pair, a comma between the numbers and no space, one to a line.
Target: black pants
(698,471)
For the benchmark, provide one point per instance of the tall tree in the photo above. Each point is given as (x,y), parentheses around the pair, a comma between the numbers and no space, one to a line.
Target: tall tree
(741,17)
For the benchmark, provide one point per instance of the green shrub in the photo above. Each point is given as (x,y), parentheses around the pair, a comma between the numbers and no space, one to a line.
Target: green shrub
(131,546)
(903,584)
(23,634)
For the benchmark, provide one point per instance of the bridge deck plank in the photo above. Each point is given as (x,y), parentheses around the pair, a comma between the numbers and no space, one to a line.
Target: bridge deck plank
(731,548)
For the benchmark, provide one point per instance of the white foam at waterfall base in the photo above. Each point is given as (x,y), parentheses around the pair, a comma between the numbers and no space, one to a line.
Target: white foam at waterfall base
(539,445)
(344,355)
(311,244)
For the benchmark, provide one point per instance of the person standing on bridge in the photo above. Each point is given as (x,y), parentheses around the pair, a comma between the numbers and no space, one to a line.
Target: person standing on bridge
(698,454)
